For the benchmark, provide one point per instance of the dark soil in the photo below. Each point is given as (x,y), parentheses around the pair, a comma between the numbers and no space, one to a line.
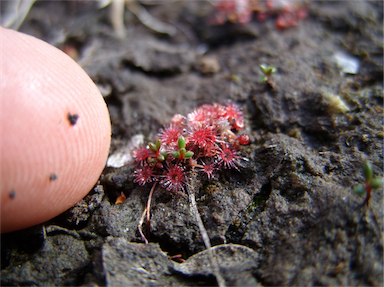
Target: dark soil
(289,217)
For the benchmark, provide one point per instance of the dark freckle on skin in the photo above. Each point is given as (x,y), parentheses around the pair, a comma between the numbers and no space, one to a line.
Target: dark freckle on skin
(73,118)
(53,176)
(12,194)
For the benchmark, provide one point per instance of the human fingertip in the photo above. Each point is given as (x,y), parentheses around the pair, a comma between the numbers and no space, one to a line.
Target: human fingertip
(55,131)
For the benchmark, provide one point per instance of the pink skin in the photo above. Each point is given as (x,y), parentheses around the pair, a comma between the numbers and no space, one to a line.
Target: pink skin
(39,86)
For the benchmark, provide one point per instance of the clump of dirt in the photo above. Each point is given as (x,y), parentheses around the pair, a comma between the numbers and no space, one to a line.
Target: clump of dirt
(289,217)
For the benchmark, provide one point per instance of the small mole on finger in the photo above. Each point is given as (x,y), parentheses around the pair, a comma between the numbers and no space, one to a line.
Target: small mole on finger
(73,118)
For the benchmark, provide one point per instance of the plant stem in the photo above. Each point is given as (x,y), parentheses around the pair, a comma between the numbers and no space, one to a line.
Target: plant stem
(204,234)
(141,221)
(147,213)
(149,210)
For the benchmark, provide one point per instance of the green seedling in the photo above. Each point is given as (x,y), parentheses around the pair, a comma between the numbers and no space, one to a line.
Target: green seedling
(158,155)
(267,71)
(182,153)
(370,183)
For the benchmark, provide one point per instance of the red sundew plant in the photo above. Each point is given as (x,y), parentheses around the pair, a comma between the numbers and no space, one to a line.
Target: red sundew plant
(289,12)
(212,140)
(228,157)
(143,175)
(208,168)
(174,178)
(141,154)
(170,135)
(206,139)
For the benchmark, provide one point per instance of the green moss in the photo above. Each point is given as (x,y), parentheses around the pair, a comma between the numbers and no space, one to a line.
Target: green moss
(260,198)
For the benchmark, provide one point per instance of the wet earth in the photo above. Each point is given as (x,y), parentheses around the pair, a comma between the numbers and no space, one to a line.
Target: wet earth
(289,216)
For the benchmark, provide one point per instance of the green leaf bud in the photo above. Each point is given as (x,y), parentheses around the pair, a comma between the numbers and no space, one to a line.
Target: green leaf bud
(158,144)
(181,142)
(182,151)
(164,153)
(264,68)
(359,190)
(263,79)
(152,147)
(188,154)
(160,157)
(176,154)
(368,173)
(375,183)
(152,160)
